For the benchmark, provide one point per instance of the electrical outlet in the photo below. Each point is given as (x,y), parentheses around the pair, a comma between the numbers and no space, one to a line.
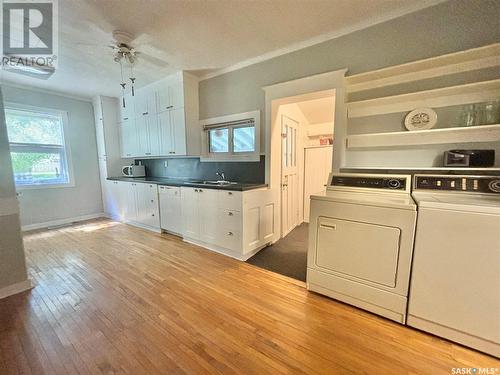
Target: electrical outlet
(165,163)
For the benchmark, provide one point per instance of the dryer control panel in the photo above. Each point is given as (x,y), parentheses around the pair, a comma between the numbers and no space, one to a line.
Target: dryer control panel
(370,182)
(469,184)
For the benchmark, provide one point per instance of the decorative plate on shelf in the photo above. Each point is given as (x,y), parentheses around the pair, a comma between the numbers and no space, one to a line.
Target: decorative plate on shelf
(421,119)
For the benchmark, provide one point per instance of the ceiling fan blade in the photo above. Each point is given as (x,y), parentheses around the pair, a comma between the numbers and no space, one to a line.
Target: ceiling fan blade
(151,59)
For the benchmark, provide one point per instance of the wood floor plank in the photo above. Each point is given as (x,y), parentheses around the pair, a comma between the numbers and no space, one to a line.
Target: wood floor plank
(114,299)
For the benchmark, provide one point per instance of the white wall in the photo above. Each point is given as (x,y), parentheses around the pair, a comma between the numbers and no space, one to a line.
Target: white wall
(12,263)
(83,200)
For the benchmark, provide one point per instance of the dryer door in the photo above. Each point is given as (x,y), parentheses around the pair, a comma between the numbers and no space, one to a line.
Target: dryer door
(358,250)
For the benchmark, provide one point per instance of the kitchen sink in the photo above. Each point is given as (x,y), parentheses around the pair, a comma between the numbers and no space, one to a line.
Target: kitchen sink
(208,182)
(220,182)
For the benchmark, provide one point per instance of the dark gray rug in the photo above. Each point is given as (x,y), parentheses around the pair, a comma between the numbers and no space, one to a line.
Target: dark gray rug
(288,256)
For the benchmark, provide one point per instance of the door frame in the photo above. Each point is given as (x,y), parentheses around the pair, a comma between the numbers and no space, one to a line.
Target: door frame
(307,88)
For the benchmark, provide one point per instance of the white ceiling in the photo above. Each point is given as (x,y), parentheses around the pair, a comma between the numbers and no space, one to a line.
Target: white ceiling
(198,36)
(318,111)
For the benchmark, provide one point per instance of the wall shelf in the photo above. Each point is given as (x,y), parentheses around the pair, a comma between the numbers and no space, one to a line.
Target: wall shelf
(482,133)
(443,97)
(453,63)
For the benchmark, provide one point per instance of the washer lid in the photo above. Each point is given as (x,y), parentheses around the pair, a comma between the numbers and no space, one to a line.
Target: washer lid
(481,203)
(401,201)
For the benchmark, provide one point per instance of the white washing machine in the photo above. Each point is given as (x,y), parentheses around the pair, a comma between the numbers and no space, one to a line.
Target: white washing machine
(455,283)
(361,241)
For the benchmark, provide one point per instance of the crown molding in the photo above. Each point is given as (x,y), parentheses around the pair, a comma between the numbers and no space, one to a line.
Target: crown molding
(6,83)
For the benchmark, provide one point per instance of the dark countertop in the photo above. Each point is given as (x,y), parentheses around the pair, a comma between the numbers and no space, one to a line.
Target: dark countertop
(188,183)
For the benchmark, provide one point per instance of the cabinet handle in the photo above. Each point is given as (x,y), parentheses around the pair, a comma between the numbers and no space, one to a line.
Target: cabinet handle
(196,190)
(152,201)
(170,106)
(148,153)
(144,113)
(152,214)
(230,193)
(230,213)
(125,118)
(229,233)
(201,191)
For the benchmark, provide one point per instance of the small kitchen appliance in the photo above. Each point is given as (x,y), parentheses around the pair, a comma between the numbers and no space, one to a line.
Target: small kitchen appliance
(469,158)
(134,171)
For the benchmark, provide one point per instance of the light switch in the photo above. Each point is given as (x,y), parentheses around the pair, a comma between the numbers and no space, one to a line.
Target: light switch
(165,163)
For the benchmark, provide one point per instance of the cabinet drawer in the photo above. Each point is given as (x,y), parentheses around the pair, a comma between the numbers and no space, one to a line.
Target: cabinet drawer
(229,239)
(171,191)
(230,200)
(230,220)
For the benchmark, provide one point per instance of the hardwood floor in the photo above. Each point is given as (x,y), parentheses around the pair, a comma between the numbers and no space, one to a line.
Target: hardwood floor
(110,298)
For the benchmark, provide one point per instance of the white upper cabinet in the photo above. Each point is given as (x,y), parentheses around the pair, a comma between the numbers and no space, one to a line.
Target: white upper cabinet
(166,117)
(127,109)
(145,103)
(170,95)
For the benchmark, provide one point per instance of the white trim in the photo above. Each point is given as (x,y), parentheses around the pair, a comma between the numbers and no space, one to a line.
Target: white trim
(15,288)
(68,220)
(231,156)
(322,38)
(42,90)
(67,146)
(224,251)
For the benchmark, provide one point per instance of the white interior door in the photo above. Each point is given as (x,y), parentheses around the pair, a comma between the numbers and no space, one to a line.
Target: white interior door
(289,175)
(317,167)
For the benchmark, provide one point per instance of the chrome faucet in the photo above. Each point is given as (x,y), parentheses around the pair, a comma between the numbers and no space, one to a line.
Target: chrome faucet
(221,175)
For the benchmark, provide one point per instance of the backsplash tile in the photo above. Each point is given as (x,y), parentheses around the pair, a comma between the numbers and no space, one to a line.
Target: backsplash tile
(193,168)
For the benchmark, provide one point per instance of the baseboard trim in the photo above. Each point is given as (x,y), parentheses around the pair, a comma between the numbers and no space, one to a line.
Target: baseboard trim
(224,251)
(15,288)
(68,220)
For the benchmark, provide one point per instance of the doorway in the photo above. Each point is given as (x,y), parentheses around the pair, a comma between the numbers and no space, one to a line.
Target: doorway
(306,133)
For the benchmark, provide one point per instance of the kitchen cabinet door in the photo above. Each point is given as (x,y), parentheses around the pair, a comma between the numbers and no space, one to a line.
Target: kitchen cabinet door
(147,205)
(163,98)
(127,112)
(129,195)
(128,138)
(144,148)
(153,134)
(111,200)
(190,213)
(178,132)
(208,211)
(170,208)
(165,133)
(176,95)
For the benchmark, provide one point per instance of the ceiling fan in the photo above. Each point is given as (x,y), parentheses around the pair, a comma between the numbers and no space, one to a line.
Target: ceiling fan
(124,50)
(127,56)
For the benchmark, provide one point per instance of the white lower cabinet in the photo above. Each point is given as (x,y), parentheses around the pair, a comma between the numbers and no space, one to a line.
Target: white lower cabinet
(170,208)
(234,223)
(136,203)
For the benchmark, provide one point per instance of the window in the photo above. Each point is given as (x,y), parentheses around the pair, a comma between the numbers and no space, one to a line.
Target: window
(232,137)
(219,140)
(37,146)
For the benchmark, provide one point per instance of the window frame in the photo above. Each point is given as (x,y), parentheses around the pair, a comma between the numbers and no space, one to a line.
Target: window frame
(65,152)
(231,155)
